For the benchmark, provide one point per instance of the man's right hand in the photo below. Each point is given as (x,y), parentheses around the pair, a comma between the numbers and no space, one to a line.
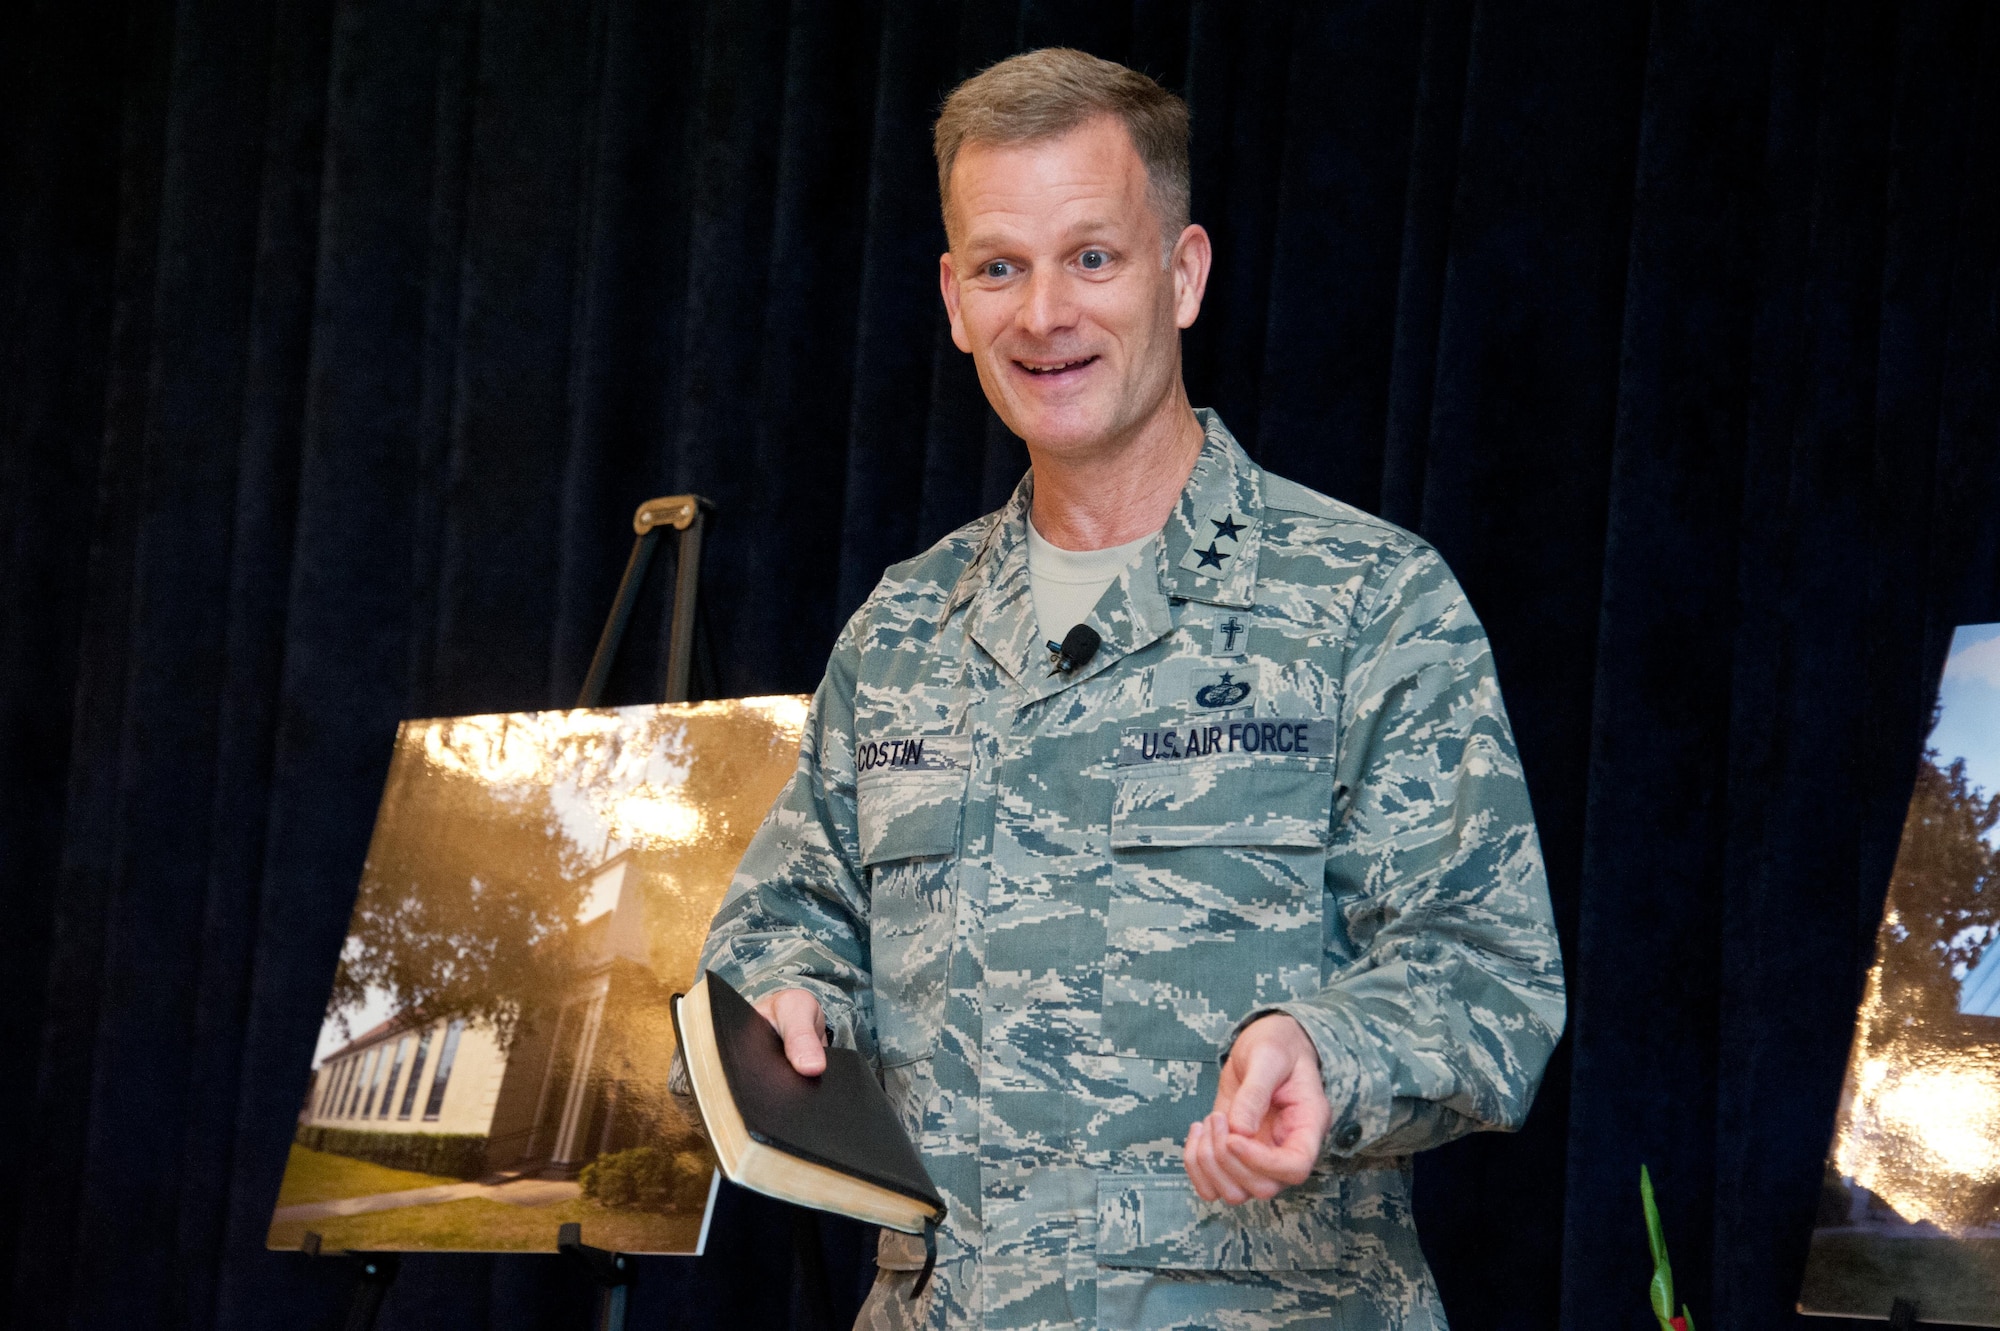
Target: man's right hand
(795,1015)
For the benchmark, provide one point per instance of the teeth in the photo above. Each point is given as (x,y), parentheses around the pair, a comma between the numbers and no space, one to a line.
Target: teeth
(1051,369)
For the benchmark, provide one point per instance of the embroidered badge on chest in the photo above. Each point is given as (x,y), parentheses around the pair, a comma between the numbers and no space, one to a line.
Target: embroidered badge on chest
(1197,685)
(1231,637)
(1221,692)
(1217,540)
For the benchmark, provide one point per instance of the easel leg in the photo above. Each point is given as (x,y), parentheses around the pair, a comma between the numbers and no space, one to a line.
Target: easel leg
(611,1308)
(686,514)
(374,1273)
(612,1271)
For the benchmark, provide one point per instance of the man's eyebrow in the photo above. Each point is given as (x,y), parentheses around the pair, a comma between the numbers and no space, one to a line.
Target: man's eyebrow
(982,240)
(1084,232)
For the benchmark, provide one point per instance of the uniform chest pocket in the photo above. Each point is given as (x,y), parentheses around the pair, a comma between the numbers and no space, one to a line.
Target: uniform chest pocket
(910,807)
(1215,908)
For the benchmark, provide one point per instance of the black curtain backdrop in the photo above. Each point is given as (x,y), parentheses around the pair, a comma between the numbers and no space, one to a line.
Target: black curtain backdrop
(340,341)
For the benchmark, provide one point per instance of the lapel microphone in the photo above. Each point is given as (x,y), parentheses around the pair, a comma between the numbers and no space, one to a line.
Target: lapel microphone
(1075,650)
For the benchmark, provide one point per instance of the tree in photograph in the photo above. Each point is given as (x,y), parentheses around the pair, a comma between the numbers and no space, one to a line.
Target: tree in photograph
(1944,896)
(470,893)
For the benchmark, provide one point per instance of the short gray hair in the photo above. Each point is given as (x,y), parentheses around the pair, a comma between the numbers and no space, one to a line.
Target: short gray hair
(1045,94)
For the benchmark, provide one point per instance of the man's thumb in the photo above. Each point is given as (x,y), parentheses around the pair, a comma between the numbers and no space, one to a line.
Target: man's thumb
(1264,1070)
(797,1017)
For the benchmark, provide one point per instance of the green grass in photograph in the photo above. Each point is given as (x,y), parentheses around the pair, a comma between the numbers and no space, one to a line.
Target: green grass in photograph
(320,1176)
(1948,1280)
(483,1226)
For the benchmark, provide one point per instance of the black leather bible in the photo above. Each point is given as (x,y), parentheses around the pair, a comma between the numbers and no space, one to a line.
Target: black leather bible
(832,1142)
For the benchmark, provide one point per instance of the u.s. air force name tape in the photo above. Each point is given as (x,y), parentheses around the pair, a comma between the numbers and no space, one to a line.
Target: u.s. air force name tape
(1281,737)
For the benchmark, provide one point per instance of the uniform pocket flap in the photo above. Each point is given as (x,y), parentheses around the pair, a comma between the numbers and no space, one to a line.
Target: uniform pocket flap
(910,807)
(1259,802)
(1157,1222)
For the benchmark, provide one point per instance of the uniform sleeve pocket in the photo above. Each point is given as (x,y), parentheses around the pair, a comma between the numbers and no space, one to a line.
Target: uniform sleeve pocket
(1156,1221)
(1254,803)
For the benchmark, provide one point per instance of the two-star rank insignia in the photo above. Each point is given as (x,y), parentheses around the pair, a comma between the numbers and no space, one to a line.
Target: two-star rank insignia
(1216,542)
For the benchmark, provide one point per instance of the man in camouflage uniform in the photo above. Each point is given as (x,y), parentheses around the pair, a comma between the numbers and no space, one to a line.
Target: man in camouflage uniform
(1171,960)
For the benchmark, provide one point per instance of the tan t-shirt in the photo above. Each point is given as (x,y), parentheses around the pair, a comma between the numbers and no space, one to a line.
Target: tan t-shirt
(1067,583)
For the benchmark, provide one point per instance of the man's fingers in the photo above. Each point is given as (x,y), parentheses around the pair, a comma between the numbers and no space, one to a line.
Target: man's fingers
(1266,1070)
(803,1048)
(1232,1167)
(795,1015)
(1224,1188)
(1224,1166)
(804,1029)
(1285,1166)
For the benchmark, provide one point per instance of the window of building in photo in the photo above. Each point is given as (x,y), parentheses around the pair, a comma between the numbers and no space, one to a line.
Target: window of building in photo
(372,1075)
(395,1071)
(446,1057)
(364,1062)
(416,1076)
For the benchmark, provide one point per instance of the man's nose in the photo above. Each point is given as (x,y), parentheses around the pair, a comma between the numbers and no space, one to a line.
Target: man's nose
(1050,306)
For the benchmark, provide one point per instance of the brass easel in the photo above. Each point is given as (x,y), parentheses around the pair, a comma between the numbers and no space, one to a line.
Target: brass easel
(686,514)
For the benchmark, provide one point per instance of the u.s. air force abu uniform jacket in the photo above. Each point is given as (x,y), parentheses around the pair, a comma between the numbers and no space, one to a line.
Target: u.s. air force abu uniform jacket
(1045,904)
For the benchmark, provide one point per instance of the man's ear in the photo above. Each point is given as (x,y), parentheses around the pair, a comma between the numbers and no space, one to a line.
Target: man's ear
(948,288)
(1191,258)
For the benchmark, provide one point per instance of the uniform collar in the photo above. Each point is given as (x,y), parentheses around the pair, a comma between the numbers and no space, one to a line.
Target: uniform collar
(1212,537)
(1207,552)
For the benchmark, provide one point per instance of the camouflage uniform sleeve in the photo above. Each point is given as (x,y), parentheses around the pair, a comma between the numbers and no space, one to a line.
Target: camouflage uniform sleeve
(796,913)
(1440,1018)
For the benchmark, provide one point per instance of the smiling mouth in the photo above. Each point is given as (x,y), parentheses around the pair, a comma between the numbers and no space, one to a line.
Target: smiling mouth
(1046,369)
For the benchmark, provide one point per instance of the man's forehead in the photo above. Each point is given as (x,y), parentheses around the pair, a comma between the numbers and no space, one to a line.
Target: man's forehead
(1090,178)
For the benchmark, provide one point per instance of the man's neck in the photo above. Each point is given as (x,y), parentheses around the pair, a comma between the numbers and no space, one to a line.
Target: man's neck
(1119,494)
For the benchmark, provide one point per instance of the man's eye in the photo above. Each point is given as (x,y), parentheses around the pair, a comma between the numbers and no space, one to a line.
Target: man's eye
(1094,259)
(998,268)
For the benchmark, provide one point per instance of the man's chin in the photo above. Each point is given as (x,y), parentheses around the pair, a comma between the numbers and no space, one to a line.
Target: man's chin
(1064,434)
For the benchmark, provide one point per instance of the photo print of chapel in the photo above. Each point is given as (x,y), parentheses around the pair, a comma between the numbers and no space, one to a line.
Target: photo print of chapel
(494,1058)
(1910,1206)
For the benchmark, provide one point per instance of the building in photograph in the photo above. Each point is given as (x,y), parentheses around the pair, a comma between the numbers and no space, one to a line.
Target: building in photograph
(569,1089)
(1979,991)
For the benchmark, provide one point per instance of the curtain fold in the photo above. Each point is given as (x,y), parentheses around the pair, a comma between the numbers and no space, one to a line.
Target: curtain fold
(342,340)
